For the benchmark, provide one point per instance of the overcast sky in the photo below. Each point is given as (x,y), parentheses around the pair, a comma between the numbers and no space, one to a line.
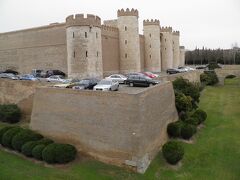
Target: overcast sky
(209,23)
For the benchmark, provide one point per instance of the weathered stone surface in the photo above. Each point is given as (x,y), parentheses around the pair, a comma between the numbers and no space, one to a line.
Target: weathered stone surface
(113,127)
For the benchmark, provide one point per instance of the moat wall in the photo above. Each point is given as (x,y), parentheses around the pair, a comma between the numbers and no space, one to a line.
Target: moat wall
(114,127)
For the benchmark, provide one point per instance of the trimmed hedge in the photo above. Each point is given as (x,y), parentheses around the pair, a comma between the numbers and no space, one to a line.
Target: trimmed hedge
(3,130)
(209,78)
(200,115)
(9,135)
(188,130)
(173,152)
(25,136)
(48,154)
(59,153)
(187,88)
(29,146)
(183,103)
(37,151)
(174,129)
(230,76)
(193,120)
(10,113)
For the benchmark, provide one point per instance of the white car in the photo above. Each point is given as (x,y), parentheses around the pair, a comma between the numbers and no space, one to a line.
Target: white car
(106,85)
(57,79)
(117,77)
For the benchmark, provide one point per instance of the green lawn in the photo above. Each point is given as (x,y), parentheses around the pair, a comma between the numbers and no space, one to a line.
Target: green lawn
(214,155)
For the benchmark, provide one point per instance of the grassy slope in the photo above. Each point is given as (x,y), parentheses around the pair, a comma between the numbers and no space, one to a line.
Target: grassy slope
(214,155)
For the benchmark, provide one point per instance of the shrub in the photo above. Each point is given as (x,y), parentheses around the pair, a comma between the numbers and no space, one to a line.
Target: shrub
(65,153)
(10,113)
(21,138)
(28,147)
(3,130)
(9,135)
(37,151)
(192,120)
(183,115)
(213,65)
(230,76)
(187,131)
(209,78)
(200,115)
(183,103)
(173,152)
(187,88)
(59,153)
(48,153)
(174,129)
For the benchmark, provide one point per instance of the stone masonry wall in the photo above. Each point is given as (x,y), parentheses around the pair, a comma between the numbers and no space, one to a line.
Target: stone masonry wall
(114,127)
(36,48)
(20,93)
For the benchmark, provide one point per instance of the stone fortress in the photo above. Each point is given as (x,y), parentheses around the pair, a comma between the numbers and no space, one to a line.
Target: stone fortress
(84,47)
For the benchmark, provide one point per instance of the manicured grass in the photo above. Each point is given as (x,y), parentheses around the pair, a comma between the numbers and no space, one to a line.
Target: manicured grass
(214,155)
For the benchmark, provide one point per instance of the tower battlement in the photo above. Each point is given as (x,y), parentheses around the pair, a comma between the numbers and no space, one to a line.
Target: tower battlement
(80,20)
(166,29)
(176,33)
(151,22)
(127,12)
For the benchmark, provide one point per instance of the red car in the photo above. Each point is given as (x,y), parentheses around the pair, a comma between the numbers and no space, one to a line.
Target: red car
(149,74)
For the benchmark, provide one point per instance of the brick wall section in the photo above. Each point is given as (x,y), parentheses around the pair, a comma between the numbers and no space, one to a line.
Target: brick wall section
(114,127)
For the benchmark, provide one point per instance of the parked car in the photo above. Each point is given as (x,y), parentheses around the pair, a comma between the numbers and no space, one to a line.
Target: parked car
(201,67)
(28,77)
(52,73)
(37,72)
(139,80)
(106,85)
(118,77)
(150,74)
(173,71)
(9,76)
(57,78)
(182,69)
(11,72)
(186,68)
(84,84)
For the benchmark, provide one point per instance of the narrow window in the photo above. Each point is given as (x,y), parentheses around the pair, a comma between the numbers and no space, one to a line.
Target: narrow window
(165,40)
(165,49)
(85,34)
(74,54)
(96,35)
(86,54)
(73,34)
(126,55)
(125,41)
(97,53)
(150,46)
(173,42)
(150,56)
(125,28)
(150,35)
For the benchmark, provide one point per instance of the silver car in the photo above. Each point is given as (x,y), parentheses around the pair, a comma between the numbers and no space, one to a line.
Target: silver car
(57,79)
(118,77)
(9,76)
(107,85)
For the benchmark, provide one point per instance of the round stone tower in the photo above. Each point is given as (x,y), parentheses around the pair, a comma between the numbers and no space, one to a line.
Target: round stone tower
(182,56)
(176,50)
(84,46)
(129,43)
(166,48)
(152,45)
